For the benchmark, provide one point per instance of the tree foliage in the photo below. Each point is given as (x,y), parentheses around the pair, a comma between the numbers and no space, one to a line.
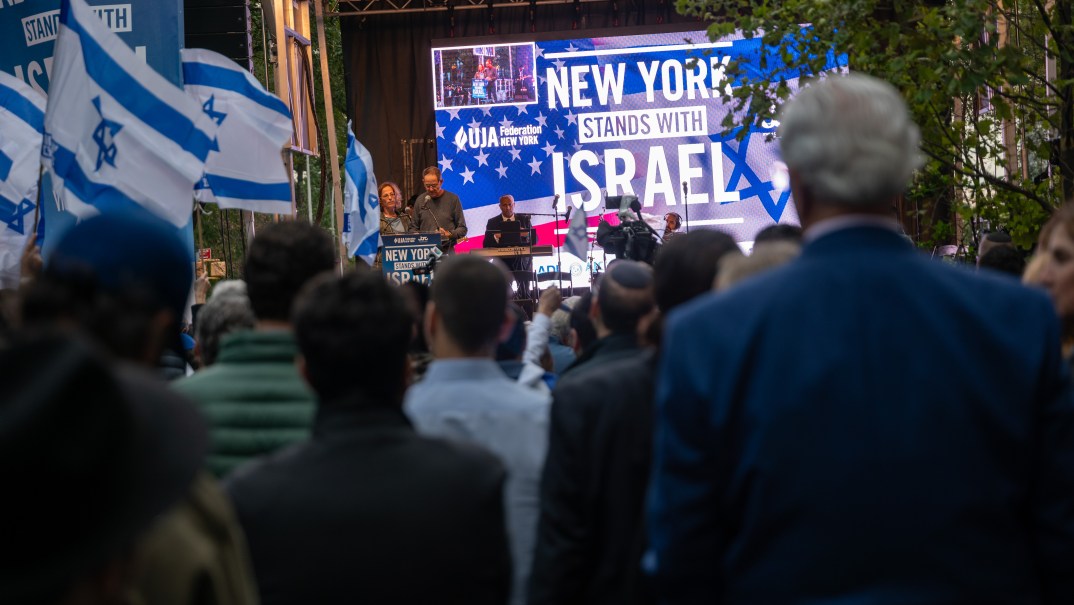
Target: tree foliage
(988,81)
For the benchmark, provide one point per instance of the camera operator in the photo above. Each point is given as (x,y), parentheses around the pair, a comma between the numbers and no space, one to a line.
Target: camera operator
(632,239)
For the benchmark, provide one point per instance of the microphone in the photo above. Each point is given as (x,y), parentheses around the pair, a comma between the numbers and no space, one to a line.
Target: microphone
(428,267)
(425,204)
(555,200)
(569,209)
(684,191)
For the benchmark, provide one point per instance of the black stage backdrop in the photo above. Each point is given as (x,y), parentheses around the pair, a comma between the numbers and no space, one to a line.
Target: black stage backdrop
(388,64)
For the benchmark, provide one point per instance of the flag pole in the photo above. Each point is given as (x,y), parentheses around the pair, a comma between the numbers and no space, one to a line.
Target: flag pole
(330,118)
(197,221)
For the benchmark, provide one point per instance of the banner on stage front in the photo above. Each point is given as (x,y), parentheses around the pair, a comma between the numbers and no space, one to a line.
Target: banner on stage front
(404,253)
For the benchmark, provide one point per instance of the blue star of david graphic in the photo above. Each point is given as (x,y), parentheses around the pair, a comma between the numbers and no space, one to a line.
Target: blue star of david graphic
(13,215)
(757,188)
(104,135)
(209,107)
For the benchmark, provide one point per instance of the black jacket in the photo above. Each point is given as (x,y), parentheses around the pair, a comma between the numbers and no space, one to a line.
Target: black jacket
(511,235)
(368,511)
(591,533)
(604,350)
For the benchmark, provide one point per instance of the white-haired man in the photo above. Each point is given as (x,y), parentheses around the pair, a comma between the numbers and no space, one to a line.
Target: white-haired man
(830,433)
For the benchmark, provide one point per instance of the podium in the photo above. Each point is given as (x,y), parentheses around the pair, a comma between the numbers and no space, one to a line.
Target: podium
(404,252)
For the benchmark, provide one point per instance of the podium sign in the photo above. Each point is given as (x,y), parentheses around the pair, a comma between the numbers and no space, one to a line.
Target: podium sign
(403,253)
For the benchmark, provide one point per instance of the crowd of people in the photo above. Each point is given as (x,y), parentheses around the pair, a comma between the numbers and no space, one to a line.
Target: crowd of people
(834,418)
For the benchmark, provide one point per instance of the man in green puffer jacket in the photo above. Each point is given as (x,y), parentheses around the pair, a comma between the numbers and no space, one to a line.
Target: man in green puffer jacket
(253,397)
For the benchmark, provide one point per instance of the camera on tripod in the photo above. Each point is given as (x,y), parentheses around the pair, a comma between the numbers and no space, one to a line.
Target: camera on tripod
(632,238)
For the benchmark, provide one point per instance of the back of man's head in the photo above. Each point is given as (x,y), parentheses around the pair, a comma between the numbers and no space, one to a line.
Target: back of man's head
(850,140)
(281,259)
(778,233)
(991,241)
(560,323)
(734,269)
(353,332)
(220,316)
(470,296)
(685,267)
(624,296)
(1006,259)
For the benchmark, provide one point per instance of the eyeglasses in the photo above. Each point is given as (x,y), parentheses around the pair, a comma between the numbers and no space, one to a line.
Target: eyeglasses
(431,185)
(389,195)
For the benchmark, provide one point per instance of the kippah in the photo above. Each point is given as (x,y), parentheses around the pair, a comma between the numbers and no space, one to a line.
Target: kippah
(630,274)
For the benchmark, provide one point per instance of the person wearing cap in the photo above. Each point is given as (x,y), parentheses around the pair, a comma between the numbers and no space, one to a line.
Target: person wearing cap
(124,280)
(368,510)
(78,431)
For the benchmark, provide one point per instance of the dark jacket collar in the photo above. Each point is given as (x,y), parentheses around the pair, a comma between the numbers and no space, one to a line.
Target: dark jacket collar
(350,414)
(611,344)
(857,239)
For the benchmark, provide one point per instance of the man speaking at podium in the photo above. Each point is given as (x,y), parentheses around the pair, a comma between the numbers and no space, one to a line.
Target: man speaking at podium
(509,230)
(438,211)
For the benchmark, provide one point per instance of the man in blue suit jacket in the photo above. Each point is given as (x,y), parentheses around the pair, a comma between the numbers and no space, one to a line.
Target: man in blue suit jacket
(863,425)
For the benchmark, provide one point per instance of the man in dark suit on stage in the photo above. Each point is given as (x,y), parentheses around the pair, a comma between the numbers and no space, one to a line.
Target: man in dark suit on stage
(830,432)
(508,229)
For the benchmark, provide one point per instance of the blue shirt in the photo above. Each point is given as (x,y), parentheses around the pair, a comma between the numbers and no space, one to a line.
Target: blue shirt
(472,400)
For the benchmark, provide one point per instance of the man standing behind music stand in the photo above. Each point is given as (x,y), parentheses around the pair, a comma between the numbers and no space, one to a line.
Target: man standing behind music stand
(508,230)
(439,211)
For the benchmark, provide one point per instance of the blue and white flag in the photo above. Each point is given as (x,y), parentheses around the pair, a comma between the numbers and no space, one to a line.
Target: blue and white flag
(577,242)
(118,135)
(22,126)
(361,210)
(245,170)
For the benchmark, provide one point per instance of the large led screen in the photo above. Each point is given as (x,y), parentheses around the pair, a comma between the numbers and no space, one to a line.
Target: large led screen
(600,117)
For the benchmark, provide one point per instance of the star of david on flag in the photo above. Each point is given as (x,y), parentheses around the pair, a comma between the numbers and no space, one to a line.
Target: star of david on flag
(22,123)
(245,169)
(209,107)
(104,136)
(120,137)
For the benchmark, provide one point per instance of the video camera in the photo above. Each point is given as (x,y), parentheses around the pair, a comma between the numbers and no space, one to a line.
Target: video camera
(632,238)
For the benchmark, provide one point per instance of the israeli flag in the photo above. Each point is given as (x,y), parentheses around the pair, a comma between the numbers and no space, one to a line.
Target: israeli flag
(118,136)
(361,214)
(577,242)
(22,126)
(245,169)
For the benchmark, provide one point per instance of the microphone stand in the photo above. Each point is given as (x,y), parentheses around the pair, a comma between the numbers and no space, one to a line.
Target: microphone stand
(559,239)
(686,206)
(425,208)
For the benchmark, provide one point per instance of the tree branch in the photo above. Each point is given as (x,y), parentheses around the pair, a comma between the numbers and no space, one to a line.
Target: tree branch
(992,180)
